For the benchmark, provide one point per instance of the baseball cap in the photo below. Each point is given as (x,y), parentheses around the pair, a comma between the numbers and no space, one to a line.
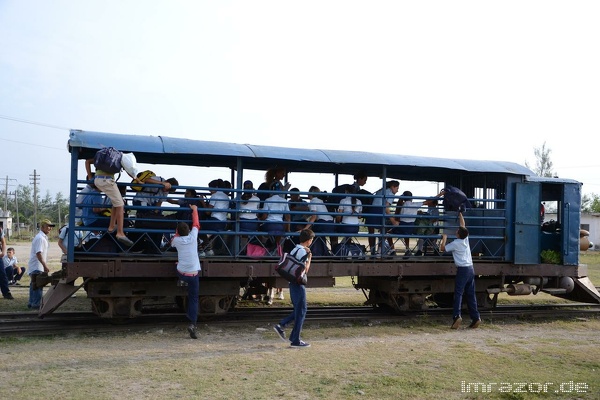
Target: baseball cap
(46,222)
(248,185)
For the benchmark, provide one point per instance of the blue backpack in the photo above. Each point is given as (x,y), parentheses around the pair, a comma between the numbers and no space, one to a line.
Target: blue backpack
(455,199)
(108,159)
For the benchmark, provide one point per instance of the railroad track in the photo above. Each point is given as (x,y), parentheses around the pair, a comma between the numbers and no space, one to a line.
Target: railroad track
(65,323)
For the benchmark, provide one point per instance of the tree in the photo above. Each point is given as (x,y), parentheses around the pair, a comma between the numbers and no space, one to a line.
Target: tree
(543,164)
(590,203)
(55,209)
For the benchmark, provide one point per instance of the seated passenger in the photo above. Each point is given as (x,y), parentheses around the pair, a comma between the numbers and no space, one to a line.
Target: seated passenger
(407,210)
(149,216)
(216,211)
(276,215)
(217,207)
(296,204)
(349,210)
(320,222)
(93,205)
(248,209)
(428,226)
(190,198)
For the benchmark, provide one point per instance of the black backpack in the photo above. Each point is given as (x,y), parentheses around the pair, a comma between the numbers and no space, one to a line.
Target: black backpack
(108,159)
(455,199)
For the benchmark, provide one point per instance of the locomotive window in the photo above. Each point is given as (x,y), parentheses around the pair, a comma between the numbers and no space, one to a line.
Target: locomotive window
(482,194)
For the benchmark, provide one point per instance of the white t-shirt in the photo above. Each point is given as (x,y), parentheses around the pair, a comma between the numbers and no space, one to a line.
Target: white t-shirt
(187,252)
(317,206)
(64,235)
(461,252)
(377,200)
(39,244)
(350,216)
(409,211)
(248,209)
(276,206)
(219,201)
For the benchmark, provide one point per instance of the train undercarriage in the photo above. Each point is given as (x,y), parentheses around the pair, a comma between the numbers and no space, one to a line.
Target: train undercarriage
(119,289)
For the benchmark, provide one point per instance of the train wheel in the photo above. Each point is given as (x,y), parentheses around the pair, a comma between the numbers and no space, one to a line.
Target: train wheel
(443,300)
(486,301)
(181,302)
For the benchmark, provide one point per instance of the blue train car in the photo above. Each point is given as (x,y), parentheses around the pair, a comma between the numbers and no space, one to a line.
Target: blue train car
(510,240)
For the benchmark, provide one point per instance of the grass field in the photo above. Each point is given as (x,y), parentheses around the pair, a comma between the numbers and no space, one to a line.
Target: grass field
(420,359)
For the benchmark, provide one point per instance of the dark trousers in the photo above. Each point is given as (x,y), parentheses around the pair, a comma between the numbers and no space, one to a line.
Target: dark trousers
(4,282)
(465,284)
(11,275)
(193,285)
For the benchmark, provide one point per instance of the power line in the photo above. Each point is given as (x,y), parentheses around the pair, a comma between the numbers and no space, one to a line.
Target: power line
(33,144)
(25,121)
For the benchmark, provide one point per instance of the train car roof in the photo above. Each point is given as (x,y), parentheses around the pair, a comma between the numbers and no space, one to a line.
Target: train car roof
(544,179)
(162,149)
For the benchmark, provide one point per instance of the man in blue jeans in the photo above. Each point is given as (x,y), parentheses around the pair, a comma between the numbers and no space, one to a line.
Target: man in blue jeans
(298,294)
(465,275)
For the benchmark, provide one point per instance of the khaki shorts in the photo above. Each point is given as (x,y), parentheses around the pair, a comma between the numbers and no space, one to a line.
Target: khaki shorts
(110,188)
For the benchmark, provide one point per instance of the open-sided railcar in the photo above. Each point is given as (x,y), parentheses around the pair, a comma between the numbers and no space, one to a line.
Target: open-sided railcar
(506,231)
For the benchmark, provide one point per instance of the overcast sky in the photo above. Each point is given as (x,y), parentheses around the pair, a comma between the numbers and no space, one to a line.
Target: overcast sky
(458,79)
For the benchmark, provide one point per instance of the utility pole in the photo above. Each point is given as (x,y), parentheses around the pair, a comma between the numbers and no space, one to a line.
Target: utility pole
(35,179)
(17,206)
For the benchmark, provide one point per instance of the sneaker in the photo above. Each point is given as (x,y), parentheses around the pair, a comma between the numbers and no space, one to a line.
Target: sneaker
(9,297)
(16,283)
(456,322)
(270,301)
(209,253)
(301,344)
(277,328)
(192,331)
(475,323)
(407,254)
(10,283)
(280,296)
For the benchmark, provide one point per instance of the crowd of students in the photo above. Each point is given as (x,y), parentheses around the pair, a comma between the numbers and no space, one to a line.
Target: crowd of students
(266,215)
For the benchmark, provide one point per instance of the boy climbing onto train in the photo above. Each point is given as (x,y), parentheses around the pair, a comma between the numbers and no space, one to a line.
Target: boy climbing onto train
(188,265)
(465,275)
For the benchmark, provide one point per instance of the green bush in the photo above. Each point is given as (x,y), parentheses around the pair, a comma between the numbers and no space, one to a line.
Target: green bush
(550,257)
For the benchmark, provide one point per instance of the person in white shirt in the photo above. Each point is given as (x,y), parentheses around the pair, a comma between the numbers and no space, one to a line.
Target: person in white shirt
(14,273)
(188,265)
(37,263)
(465,275)
(349,213)
(248,209)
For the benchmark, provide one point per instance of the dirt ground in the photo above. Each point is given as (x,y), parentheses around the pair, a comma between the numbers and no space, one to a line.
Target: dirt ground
(22,250)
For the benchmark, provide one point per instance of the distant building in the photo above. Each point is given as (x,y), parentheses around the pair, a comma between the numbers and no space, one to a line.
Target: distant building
(6,222)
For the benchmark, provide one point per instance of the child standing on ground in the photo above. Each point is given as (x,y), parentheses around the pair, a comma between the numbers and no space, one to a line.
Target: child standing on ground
(298,294)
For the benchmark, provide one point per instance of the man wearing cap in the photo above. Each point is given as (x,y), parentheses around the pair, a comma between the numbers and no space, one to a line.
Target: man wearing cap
(37,263)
